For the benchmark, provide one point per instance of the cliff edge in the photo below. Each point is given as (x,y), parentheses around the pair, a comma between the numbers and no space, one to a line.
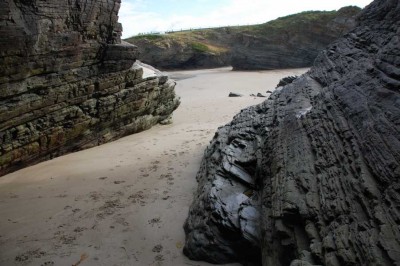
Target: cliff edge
(312,175)
(289,42)
(67,82)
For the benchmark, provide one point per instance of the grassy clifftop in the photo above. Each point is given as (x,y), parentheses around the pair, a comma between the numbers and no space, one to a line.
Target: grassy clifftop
(213,47)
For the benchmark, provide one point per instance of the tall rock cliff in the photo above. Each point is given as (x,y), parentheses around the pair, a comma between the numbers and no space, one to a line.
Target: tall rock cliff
(312,175)
(287,42)
(67,82)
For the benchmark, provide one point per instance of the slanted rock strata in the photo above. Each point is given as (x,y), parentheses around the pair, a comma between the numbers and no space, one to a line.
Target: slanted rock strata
(67,82)
(311,176)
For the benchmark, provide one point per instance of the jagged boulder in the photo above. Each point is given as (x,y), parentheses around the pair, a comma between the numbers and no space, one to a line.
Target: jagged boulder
(311,176)
(67,82)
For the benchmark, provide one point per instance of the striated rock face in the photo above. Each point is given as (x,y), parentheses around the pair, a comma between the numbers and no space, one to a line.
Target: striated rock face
(312,175)
(287,42)
(292,43)
(67,82)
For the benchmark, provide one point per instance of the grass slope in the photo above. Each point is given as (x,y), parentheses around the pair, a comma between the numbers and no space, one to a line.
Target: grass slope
(208,40)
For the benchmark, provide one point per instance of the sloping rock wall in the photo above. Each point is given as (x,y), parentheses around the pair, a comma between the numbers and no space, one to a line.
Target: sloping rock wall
(312,175)
(296,45)
(67,82)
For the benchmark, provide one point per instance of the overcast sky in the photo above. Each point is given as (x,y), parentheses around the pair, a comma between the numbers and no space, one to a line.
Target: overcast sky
(142,16)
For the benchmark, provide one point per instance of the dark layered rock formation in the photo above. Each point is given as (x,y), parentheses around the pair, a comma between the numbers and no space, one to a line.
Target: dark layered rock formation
(288,42)
(67,82)
(312,175)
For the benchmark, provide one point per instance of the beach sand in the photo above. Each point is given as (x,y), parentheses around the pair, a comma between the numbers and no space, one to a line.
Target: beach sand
(125,202)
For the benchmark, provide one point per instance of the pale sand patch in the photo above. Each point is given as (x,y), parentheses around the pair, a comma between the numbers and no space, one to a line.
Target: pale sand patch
(123,203)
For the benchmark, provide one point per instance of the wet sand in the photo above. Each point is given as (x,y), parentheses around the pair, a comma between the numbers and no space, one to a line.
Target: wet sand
(125,202)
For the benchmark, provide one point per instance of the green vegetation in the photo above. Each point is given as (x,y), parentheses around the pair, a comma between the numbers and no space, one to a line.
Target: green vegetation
(148,36)
(289,23)
(217,40)
(197,37)
(200,47)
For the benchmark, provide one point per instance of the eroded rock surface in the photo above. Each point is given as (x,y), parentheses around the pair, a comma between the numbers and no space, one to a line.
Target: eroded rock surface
(312,175)
(67,82)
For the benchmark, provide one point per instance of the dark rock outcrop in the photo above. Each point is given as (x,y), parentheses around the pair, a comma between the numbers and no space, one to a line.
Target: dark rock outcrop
(234,94)
(67,82)
(286,80)
(311,176)
(288,42)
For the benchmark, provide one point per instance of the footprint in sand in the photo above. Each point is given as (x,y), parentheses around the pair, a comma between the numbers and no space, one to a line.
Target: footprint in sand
(80,229)
(95,196)
(153,168)
(159,258)
(121,221)
(67,240)
(155,221)
(138,197)
(30,255)
(158,248)
(47,263)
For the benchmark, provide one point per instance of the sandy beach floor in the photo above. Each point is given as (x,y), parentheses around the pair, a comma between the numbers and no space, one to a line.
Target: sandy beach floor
(125,202)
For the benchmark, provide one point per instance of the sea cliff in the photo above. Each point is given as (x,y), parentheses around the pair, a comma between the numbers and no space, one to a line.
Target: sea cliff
(289,42)
(68,82)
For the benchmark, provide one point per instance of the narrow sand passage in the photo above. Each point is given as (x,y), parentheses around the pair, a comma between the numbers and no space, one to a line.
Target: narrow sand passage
(125,202)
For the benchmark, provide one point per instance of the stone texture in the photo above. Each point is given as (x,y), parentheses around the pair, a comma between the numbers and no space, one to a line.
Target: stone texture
(67,82)
(288,42)
(286,80)
(311,176)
